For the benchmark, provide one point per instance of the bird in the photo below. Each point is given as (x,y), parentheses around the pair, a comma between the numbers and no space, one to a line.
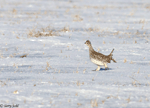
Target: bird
(98,58)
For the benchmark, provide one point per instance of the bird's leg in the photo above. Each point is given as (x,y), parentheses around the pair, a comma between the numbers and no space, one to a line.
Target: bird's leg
(98,68)
(105,66)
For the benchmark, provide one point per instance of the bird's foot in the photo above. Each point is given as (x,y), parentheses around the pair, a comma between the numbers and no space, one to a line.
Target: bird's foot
(106,68)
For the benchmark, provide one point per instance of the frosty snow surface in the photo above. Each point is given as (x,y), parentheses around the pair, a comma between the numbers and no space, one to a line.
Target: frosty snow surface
(44,62)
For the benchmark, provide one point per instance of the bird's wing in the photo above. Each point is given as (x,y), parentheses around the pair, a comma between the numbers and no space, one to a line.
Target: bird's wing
(99,56)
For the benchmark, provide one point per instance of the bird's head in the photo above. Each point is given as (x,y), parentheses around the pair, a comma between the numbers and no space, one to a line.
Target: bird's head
(88,43)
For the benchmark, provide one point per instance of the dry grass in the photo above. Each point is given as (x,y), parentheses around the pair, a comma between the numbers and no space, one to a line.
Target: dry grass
(25,55)
(48,31)
(125,60)
(79,104)
(16,92)
(131,62)
(65,29)
(2,83)
(148,7)
(43,32)
(135,83)
(128,100)
(77,18)
(47,66)
(78,83)
(84,71)
(94,103)
(14,11)
(103,101)
(104,42)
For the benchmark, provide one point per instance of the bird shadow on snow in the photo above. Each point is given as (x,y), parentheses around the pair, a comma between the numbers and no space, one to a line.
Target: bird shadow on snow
(103,69)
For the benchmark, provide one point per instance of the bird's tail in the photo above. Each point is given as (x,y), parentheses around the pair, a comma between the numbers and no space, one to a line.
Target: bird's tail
(113,60)
(110,55)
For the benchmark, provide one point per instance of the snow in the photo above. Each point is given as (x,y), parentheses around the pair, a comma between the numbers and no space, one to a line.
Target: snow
(57,71)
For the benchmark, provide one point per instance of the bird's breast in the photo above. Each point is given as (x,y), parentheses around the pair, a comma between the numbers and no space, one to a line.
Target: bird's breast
(98,62)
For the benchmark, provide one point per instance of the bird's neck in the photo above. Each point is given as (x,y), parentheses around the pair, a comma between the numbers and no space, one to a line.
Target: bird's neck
(91,49)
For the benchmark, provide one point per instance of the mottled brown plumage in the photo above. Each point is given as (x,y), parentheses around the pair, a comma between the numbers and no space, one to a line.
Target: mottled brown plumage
(99,58)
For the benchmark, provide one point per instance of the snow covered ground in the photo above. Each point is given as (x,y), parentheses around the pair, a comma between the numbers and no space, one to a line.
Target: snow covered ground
(57,71)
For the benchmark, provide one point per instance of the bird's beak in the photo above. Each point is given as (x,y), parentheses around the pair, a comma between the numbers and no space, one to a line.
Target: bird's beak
(85,43)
